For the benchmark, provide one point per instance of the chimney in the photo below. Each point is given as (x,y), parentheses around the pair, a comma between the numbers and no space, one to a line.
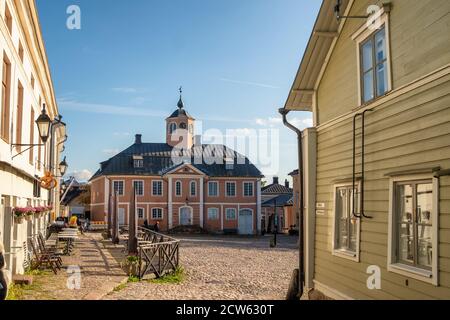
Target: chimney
(286,183)
(275,180)
(138,139)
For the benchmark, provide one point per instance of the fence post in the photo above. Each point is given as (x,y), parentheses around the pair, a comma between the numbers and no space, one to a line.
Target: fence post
(132,232)
(115,233)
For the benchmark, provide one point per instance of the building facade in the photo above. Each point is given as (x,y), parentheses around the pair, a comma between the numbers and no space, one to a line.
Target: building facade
(26,87)
(275,197)
(181,183)
(376,163)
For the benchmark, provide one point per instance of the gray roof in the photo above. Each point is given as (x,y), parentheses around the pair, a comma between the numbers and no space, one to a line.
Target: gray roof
(158,161)
(276,189)
(280,201)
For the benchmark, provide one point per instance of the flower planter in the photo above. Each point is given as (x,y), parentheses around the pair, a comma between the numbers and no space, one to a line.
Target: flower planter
(19,220)
(29,217)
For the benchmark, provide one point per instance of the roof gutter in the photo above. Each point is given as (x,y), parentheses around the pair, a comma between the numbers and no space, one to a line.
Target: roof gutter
(284,112)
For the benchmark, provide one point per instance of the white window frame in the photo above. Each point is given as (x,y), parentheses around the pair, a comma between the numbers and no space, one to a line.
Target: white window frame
(143,212)
(432,276)
(123,186)
(253,189)
(140,162)
(218,188)
(162,188)
(218,214)
(181,188)
(353,256)
(143,187)
(162,214)
(195,188)
(235,214)
(361,36)
(226,189)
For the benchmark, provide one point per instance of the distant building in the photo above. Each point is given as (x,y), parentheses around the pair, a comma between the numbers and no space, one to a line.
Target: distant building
(214,187)
(274,198)
(76,198)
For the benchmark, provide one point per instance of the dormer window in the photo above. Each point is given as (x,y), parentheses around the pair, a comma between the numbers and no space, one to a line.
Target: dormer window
(138,161)
(182,125)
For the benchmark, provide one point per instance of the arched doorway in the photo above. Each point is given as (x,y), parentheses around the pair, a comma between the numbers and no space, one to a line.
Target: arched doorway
(186,217)
(245,222)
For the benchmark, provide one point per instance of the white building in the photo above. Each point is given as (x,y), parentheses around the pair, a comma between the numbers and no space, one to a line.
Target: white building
(26,87)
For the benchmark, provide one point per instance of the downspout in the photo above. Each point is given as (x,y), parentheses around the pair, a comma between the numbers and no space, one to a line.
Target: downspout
(284,112)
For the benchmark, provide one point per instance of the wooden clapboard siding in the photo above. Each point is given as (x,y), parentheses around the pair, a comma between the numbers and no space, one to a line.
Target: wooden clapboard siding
(421,29)
(410,130)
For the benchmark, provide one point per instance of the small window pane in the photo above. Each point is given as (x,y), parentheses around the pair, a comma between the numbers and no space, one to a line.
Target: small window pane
(425,249)
(213,214)
(367,56)
(368,86)
(406,243)
(382,79)
(404,203)
(341,218)
(380,48)
(424,203)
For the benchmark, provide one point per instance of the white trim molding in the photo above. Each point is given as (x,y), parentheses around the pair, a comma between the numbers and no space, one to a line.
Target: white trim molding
(354,256)
(414,272)
(330,292)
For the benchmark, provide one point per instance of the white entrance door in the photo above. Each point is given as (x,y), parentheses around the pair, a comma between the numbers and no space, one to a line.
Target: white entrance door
(245,222)
(186,216)
(121,216)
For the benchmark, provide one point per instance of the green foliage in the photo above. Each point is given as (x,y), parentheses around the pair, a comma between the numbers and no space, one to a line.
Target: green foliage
(132,259)
(133,279)
(175,277)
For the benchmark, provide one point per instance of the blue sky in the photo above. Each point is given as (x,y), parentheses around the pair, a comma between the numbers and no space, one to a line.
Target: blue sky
(119,74)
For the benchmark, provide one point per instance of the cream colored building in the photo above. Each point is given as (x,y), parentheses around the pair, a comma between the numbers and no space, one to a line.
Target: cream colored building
(397,71)
(26,86)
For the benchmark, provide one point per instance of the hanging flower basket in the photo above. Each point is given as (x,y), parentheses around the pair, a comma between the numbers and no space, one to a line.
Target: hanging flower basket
(19,219)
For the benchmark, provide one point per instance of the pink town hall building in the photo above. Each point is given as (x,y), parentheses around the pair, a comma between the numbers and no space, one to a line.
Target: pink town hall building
(181,183)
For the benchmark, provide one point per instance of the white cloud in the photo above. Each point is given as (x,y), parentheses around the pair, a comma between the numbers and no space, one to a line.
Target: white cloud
(249,83)
(81,176)
(69,104)
(271,122)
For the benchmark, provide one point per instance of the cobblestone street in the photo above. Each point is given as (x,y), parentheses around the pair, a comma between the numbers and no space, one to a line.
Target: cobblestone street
(228,268)
(100,272)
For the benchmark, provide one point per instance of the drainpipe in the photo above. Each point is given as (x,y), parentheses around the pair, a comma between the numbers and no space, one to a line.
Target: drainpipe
(284,112)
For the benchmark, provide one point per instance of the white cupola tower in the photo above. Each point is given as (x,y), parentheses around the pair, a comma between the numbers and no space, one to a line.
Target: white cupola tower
(180,127)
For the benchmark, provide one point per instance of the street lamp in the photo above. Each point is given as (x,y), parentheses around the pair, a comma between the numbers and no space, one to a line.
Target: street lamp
(43,124)
(63,167)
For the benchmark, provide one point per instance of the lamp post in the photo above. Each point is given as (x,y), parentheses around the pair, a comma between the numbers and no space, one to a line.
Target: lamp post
(43,123)
(63,167)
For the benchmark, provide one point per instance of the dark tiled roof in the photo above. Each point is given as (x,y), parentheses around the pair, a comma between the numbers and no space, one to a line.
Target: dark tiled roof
(280,201)
(180,112)
(158,161)
(276,189)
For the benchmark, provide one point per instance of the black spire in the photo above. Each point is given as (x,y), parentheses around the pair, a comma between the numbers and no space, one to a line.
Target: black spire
(180,102)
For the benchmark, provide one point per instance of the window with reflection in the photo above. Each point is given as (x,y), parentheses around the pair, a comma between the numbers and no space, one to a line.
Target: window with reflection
(374,65)
(346,225)
(414,227)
